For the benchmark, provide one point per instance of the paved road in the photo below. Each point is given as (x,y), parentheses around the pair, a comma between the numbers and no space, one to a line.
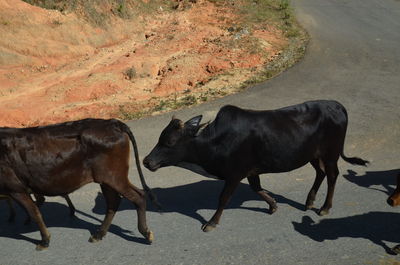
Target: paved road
(353,57)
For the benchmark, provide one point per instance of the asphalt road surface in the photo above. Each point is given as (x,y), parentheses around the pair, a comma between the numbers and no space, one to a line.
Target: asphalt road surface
(353,57)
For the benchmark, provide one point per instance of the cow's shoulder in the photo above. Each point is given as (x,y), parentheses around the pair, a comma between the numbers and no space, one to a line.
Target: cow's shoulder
(229,112)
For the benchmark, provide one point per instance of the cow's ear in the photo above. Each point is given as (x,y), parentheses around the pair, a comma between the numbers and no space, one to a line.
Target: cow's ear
(192,125)
(194,122)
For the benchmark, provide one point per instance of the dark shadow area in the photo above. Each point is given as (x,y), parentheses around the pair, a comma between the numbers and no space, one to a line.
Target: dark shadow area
(386,179)
(374,226)
(190,198)
(56,215)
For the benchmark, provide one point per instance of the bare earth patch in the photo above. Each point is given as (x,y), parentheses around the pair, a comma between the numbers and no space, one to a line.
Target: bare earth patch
(56,67)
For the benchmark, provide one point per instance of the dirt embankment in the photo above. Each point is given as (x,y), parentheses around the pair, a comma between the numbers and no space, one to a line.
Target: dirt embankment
(55,66)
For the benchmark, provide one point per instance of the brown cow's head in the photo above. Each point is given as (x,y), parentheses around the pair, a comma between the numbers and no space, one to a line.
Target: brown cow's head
(394,199)
(172,145)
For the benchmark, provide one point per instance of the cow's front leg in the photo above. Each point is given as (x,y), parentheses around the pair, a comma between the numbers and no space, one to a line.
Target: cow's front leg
(224,198)
(26,201)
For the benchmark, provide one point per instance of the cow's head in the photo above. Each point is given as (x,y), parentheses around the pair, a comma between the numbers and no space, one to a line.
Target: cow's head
(394,199)
(173,143)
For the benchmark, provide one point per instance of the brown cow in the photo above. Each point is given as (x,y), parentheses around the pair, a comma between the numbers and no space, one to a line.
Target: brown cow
(56,160)
(394,200)
(39,201)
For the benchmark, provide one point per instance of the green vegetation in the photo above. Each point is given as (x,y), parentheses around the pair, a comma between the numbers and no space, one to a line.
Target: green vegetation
(172,102)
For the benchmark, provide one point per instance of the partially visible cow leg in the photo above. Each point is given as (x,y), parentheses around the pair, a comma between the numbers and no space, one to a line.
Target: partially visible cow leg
(332,172)
(112,202)
(255,185)
(320,175)
(26,201)
(39,199)
(224,198)
(70,205)
(11,218)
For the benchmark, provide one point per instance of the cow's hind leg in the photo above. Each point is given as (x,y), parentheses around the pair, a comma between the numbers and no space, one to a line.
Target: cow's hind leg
(320,175)
(332,172)
(112,199)
(26,201)
(255,185)
(137,197)
(224,198)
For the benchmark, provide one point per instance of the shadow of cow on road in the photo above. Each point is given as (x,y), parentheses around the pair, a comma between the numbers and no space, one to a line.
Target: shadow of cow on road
(57,216)
(374,226)
(386,179)
(188,199)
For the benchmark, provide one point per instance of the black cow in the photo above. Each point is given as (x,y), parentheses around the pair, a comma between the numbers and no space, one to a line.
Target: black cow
(58,159)
(246,143)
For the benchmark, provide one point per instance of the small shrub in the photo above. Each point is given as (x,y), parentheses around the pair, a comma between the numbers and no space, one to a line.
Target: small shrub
(130,73)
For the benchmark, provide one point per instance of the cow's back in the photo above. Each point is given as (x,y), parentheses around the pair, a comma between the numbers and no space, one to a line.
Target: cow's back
(58,159)
(277,140)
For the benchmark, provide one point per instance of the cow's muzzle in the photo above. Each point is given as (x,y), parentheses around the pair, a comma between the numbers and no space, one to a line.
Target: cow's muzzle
(150,164)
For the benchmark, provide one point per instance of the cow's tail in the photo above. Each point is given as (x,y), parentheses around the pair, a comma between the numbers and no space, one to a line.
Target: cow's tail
(354,160)
(147,189)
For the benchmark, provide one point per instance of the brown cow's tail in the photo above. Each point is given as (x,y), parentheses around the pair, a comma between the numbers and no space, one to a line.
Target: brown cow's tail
(149,192)
(354,160)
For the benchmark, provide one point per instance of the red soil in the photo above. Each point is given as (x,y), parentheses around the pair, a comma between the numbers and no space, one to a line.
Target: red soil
(56,67)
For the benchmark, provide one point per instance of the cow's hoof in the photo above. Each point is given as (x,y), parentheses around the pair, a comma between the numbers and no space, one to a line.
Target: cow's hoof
(396,249)
(42,246)
(273,209)
(150,237)
(323,212)
(208,226)
(95,238)
(309,206)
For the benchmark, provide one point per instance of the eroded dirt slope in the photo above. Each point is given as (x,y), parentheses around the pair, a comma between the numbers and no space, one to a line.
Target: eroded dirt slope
(55,66)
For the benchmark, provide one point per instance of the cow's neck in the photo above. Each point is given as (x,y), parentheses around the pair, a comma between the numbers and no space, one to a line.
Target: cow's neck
(198,159)
(199,152)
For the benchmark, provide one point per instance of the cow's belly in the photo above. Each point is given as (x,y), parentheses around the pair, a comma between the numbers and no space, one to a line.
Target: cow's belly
(59,176)
(288,161)
(61,181)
